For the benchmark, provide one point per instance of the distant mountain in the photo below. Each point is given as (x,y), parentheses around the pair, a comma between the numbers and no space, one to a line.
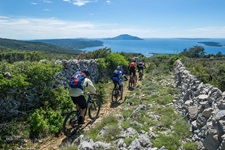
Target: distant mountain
(72,43)
(124,37)
(34,46)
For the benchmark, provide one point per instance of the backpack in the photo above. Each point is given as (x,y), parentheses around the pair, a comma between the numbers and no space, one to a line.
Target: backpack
(77,80)
(115,73)
(132,65)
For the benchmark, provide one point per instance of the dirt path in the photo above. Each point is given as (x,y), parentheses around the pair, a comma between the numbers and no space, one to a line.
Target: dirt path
(54,143)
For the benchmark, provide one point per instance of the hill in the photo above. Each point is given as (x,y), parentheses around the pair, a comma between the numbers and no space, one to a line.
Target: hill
(72,43)
(34,46)
(124,37)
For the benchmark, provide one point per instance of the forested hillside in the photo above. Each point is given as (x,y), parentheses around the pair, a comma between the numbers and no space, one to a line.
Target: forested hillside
(75,44)
(34,46)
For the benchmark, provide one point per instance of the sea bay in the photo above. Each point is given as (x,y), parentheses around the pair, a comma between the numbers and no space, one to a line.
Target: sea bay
(161,45)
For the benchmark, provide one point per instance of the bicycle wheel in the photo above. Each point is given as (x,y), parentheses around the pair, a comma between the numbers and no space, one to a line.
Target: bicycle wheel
(115,94)
(94,109)
(130,83)
(70,123)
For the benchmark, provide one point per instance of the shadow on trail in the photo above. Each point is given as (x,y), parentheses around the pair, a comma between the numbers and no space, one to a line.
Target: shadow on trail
(71,139)
(130,88)
(116,103)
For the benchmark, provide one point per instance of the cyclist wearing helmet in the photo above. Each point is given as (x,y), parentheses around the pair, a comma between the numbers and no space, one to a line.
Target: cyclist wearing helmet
(132,68)
(141,66)
(117,74)
(77,95)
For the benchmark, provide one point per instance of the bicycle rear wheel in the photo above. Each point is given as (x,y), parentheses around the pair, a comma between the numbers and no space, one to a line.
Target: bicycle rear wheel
(94,109)
(115,94)
(70,123)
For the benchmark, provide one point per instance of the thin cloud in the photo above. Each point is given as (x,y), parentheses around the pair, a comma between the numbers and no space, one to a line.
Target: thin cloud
(47,1)
(33,3)
(52,28)
(80,2)
(43,28)
(108,2)
(46,9)
(3,17)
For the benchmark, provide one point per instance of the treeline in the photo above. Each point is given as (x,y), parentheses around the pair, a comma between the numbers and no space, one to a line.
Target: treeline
(72,43)
(35,46)
(199,52)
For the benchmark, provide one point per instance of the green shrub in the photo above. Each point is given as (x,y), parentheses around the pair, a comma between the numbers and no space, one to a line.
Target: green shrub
(38,123)
(54,121)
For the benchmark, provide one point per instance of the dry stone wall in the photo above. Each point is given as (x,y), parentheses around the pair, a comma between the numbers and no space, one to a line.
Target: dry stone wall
(204,106)
(71,66)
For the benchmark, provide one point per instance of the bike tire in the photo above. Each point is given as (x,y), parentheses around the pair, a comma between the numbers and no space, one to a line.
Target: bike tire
(70,123)
(94,109)
(115,95)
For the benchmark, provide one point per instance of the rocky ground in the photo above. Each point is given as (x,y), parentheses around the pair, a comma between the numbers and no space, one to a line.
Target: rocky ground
(140,139)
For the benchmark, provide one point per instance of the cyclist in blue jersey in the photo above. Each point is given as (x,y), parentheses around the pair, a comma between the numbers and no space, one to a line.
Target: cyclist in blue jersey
(116,77)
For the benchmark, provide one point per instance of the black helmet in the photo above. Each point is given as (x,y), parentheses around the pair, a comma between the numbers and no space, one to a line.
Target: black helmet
(86,72)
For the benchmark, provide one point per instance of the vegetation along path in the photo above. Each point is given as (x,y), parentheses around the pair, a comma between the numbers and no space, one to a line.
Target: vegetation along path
(147,111)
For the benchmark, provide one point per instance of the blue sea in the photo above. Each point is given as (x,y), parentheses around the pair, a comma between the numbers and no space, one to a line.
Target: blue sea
(161,45)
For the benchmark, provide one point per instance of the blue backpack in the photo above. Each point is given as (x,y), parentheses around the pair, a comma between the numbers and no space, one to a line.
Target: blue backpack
(77,80)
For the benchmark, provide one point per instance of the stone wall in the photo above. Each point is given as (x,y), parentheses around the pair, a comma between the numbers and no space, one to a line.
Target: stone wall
(71,66)
(204,106)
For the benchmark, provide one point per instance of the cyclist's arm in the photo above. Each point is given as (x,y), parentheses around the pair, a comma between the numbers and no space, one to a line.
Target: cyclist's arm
(90,86)
(123,75)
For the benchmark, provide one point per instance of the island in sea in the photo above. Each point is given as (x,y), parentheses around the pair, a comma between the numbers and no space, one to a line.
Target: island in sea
(212,44)
(124,37)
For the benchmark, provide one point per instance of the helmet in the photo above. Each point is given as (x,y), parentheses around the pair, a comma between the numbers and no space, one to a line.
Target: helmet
(86,72)
(118,68)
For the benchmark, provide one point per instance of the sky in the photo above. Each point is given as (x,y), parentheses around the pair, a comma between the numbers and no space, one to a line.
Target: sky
(60,19)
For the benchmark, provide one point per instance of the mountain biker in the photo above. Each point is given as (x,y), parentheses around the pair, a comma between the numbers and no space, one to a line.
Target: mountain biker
(77,95)
(141,66)
(117,74)
(132,67)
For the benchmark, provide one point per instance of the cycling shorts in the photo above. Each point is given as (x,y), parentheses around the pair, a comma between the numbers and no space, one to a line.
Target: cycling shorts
(132,71)
(80,100)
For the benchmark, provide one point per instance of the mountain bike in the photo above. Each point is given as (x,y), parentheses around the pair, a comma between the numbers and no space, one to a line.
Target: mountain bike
(71,125)
(116,92)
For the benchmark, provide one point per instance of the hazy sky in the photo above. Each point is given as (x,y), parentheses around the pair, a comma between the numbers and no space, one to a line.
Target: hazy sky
(44,19)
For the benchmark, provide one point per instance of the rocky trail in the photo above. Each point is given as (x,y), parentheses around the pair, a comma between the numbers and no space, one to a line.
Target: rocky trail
(55,142)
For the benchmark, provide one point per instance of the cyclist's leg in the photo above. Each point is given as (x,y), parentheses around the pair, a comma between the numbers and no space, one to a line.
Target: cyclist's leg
(81,101)
(120,84)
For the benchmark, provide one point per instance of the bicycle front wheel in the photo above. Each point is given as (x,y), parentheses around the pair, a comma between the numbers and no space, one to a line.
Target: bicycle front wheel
(94,109)
(70,124)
